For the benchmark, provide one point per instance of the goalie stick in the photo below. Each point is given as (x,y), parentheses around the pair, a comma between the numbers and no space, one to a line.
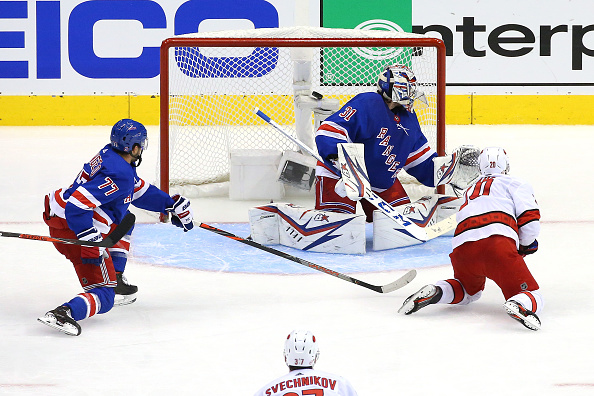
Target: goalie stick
(408,225)
(397,284)
(109,241)
(352,168)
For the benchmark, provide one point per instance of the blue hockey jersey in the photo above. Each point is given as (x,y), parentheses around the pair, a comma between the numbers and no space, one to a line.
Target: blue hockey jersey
(102,193)
(393,140)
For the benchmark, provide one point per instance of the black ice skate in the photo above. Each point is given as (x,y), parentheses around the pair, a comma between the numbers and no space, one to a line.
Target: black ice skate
(61,319)
(125,293)
(522,315)
(429,294)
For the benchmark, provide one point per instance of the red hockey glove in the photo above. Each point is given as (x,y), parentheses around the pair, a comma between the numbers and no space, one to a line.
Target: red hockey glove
(526,250)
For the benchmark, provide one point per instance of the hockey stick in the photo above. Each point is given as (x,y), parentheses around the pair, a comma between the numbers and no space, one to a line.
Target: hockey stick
(352,168)
(407,225)
(440,228)
(397,284)
(109,241)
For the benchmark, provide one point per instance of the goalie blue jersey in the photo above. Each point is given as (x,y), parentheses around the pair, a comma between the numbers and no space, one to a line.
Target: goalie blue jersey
(102,193)
(393,140)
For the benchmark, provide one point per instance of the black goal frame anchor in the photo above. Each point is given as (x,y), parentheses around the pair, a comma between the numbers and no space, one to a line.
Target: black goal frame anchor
(390,287)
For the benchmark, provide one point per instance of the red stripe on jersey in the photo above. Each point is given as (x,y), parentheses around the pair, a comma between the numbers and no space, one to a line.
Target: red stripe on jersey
(528,216)
(329,128)
(82,199)
(323,165)
(417,156)
(99,218)
(458,290)
(122,244)
(484,220)
(59,199)
(85,176)
(136,189)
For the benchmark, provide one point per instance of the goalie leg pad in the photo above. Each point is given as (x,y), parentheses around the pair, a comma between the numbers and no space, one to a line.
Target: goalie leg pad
(264,224)
(425,211)
(307,229)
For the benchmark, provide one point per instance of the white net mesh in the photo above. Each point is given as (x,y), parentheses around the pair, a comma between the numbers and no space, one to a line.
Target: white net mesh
(213,90)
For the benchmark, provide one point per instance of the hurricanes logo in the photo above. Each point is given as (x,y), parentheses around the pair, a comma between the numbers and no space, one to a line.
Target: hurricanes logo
(378,53)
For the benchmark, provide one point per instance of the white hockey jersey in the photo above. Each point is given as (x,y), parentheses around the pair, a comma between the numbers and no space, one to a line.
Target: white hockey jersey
(314,381)
(498,205)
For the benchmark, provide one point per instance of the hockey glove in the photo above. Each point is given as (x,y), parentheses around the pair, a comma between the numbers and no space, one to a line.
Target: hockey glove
(182,212)
(529,249)
(91,254)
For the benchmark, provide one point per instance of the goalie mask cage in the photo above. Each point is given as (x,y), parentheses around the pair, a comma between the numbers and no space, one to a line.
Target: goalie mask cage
(211,82)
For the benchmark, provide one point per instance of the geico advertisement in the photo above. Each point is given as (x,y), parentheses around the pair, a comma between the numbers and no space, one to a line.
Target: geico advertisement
(112,46)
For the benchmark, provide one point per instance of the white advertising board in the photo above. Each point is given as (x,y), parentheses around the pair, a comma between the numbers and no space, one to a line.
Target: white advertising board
(508,46)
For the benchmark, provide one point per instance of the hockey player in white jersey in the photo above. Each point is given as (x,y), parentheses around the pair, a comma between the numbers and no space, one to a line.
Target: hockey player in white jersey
(498,224)
(301,354)
(386,124)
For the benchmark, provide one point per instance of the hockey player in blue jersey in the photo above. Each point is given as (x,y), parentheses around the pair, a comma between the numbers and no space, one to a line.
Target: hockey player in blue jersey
(386,124)
(89,209)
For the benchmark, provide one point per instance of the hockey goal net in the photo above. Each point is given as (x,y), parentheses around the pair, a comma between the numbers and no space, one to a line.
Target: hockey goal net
(211,82)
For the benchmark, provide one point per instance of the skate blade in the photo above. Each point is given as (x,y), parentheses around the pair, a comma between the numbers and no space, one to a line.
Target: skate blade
(121,299)
(66,329)
(409,304)
(530,322)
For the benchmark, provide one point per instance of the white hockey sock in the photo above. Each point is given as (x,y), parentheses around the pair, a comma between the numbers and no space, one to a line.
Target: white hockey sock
(531,300)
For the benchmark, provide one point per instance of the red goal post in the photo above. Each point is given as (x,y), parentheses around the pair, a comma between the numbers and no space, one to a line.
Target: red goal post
(205,101)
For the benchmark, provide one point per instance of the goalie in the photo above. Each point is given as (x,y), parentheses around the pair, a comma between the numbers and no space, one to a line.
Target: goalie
(386,124)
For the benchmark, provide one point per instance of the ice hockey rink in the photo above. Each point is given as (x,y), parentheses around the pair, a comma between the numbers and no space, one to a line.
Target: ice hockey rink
(212,314)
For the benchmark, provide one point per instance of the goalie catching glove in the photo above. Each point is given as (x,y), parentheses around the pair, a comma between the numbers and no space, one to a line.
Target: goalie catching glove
(182,212)
(459,169)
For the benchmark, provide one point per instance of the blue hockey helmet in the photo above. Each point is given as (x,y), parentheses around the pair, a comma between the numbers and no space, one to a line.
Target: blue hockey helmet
(126,133)
(398,84)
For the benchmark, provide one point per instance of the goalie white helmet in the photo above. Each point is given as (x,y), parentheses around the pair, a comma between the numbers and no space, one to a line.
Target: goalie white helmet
(398,84)
(301,349)
(493,160)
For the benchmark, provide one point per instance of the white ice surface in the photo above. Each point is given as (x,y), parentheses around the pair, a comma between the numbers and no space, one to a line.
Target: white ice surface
(215,332)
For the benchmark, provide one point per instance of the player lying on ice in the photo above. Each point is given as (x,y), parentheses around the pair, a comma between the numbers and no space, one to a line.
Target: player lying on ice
(498,224)
(89,209)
